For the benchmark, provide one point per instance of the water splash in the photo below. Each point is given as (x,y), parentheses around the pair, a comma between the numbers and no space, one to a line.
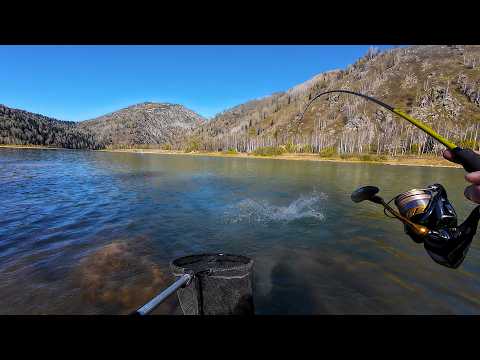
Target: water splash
(261,211)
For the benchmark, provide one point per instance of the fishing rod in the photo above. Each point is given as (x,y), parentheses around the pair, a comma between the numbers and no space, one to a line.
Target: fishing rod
(427,214)
(469,159)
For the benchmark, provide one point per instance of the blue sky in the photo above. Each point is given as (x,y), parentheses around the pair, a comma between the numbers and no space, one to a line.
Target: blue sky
(82,82)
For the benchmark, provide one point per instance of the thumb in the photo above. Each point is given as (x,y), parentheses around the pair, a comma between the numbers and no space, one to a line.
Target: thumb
(447,154)
(472,193)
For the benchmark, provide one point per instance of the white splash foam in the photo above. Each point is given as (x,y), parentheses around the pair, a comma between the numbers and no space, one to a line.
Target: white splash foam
(248,210)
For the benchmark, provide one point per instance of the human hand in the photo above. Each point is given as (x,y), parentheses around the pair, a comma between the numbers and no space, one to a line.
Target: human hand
(472,192)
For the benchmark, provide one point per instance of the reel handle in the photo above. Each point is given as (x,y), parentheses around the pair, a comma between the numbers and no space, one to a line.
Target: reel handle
(468,158)
(418,229)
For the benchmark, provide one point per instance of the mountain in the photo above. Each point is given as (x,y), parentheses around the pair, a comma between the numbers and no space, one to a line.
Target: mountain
(138,125)
(21,127)
(143,124)
(438,84)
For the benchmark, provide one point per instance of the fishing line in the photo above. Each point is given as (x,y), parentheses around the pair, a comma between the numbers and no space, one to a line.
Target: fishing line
(466,157)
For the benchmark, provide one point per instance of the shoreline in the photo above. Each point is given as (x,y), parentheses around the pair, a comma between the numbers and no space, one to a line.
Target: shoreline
(401,161)
(36,147)
(414,161)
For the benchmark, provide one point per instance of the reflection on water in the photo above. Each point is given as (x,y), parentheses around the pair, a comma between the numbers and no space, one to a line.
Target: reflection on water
(93,233)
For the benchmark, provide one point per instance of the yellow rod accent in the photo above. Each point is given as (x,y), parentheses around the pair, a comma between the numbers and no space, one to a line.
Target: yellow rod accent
(425,128)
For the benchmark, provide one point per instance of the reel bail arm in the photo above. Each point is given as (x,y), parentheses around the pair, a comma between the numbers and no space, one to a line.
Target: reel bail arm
(370,193)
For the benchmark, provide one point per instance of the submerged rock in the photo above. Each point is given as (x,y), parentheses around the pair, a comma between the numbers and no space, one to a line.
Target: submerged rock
(120,278)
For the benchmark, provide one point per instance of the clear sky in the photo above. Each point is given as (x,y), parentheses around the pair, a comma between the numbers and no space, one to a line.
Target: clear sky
(82,82)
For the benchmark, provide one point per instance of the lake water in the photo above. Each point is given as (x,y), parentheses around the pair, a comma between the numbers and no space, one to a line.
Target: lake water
(93,233)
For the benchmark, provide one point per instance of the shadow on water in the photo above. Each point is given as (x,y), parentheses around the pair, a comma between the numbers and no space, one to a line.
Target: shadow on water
(325,281)
(289,294)
(303,284)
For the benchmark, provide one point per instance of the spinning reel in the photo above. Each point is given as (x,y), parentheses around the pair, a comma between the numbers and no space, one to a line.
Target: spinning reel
(429,218)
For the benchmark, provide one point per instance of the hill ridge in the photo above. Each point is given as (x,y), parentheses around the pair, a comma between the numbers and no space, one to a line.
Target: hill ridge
(138,124)
(438,84)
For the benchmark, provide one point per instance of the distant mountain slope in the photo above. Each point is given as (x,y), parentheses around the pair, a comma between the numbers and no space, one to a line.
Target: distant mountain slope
(143,124)
(21,127)
(439,84)
(138,125)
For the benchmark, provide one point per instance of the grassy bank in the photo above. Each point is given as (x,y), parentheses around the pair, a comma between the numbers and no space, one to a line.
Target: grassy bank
(359,158)
(267,153)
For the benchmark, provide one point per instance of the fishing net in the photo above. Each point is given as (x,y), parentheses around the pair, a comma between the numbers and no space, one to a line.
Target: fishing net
(221,285)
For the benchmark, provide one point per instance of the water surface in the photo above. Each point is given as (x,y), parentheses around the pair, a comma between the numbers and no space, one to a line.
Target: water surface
(93,232)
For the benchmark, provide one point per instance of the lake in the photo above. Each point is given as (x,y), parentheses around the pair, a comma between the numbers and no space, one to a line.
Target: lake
(85,232)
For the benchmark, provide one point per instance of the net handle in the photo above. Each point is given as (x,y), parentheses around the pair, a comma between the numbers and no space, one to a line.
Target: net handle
(161,297)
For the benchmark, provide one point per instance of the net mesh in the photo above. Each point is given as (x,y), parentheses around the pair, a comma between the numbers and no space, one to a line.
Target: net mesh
(222,284)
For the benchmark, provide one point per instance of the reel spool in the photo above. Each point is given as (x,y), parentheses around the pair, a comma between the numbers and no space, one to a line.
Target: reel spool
(413,202)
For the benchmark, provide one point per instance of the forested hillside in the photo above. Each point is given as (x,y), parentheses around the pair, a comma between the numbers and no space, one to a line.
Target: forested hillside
(21,127)
(136,126)
(438,84)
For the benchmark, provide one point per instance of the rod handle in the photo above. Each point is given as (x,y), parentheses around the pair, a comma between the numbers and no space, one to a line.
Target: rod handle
(468,158)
